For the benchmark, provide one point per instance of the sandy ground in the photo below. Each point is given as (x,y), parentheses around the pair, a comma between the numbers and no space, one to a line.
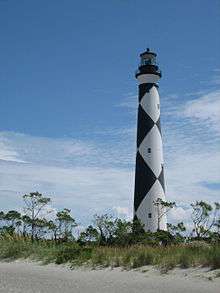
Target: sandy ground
(29,277)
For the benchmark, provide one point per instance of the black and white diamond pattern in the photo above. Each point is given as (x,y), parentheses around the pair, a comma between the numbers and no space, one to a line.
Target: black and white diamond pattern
(149,176)
(145,123)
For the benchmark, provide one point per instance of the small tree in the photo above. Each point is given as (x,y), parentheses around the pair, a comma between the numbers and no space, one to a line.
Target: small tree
(13,219)
(162,207)
(106,227)
(204,218)
(26,221)
(137,227)
(217,225)
(35,202)
(123,232)
(53,229)
(41,228)
(177,230)
(90,235)
(2,218)
(65,224)
(3,224)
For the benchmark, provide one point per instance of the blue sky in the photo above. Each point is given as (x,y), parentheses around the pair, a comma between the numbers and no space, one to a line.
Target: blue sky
(68,100)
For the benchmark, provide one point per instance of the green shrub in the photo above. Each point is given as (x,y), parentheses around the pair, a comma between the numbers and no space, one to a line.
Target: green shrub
(214,257)
(185,260)
(166,258)
(67,253)
(12,248)
(142,258)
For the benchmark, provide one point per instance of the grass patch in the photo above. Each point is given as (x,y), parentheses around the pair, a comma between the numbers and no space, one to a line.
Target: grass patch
(166,258)
(214,257)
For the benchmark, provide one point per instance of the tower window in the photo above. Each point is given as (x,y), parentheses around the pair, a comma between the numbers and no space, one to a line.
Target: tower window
(149,150)
(149,215)
(158,106)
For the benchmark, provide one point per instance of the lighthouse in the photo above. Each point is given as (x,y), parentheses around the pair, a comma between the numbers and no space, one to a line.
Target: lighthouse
(149,172)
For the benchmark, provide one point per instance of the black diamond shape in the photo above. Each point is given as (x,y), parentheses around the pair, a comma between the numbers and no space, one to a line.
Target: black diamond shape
(135,218)
(145,123)
(143,89)
(144,180)
(161,179)
(158,125)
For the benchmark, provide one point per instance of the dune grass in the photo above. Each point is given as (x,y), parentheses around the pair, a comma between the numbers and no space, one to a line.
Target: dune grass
(165,258)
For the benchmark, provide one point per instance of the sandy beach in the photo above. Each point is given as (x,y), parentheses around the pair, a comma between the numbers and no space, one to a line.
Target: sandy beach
(29,277)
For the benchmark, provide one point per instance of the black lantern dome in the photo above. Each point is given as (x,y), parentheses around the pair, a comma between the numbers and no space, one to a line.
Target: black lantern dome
(148,64)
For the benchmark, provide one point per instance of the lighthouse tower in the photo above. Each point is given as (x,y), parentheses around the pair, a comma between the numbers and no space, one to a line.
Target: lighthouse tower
(149,173)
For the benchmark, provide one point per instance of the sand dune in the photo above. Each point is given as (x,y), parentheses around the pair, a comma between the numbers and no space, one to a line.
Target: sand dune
(28,277)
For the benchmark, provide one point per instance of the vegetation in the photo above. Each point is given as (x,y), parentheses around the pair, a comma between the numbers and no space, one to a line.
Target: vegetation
(162,208)
(165,258)
(109,241)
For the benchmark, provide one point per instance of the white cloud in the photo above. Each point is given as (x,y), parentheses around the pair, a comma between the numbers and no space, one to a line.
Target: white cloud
(26,148)
(7,153)
(85,190)
(205,110)
(110,151)
(187,172)
(85,176)
(180,214)
(192,152)
(129,102)
(123,212)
